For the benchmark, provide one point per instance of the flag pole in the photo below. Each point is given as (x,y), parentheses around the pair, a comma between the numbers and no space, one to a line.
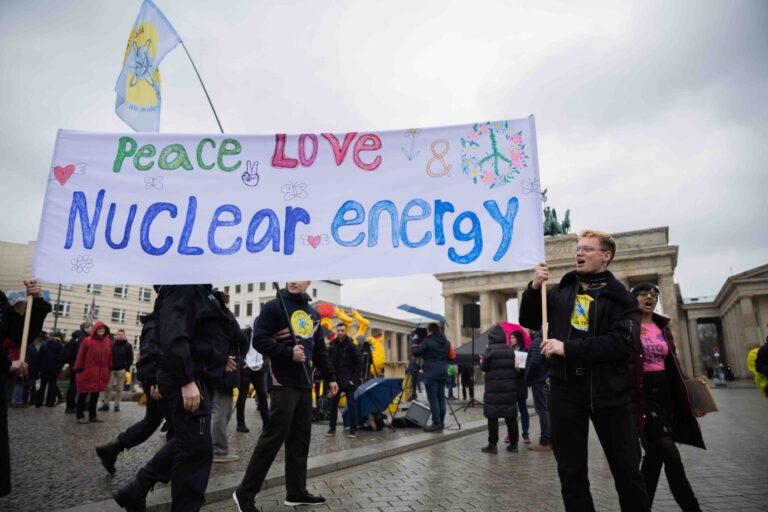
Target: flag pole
(25,333)
(203,85)
(544,322)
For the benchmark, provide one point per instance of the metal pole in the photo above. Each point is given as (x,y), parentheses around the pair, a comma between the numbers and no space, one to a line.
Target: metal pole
(203,85)
(56,309)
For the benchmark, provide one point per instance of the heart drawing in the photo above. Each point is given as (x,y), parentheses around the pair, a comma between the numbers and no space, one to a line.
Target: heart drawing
(314,241)
(62,174)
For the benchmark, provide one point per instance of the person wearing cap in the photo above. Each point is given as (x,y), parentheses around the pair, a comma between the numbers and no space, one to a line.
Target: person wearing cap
(593,331)
(665,413)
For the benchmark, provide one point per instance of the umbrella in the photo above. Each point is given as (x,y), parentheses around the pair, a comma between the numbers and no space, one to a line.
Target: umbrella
(464,352)
(374,396)
(510,328)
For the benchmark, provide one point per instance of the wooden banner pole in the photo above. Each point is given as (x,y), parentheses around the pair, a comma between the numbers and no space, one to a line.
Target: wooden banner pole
(25,334)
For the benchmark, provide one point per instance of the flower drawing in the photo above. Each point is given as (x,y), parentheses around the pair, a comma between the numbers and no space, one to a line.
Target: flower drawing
(493,154)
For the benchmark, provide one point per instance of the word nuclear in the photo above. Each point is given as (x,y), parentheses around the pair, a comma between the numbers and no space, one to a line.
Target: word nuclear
(466,227)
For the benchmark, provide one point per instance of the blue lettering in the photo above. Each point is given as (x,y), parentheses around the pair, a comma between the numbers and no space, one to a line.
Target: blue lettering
(216,223)
(373,222)
(186,233)
(128,224)
(426,210)
(272,233)
(507,223)
(475,234)
(340,221)
(292,217)
(441,208)
(153,211)
(80,206)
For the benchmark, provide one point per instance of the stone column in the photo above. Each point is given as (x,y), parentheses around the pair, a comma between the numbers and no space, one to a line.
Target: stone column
(519,297)
(450,318)
(751,335)
(669,298)
(486,310)
(693,337)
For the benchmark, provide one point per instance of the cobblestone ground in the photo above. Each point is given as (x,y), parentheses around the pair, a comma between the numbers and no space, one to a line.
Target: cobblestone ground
(54,465)
(730,475)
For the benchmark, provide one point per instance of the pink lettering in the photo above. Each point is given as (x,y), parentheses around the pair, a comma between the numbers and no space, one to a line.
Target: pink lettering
(279,159)
(367,142)
(339,153)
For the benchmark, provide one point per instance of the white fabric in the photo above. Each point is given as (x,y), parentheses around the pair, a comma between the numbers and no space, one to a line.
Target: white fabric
(253,359)
(367,204)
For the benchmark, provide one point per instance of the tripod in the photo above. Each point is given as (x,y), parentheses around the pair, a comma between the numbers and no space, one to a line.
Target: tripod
(472,402)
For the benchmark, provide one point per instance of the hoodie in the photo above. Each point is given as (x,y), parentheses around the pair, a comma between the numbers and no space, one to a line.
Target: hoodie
(94,361)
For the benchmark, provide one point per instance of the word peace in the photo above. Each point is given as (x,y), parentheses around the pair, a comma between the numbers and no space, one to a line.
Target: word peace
(174,156)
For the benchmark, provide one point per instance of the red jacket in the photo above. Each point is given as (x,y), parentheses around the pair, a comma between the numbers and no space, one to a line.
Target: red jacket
(94,361)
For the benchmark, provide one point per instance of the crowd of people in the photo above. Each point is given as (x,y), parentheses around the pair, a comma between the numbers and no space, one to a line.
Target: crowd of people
(600,354)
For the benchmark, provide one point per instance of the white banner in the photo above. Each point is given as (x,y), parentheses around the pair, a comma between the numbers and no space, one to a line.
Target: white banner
(184,208)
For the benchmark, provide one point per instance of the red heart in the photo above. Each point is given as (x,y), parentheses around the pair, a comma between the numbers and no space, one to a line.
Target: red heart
(62,174)
(314,241)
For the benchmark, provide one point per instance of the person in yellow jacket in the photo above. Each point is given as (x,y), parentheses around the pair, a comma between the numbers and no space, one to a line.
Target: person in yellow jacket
(753,365)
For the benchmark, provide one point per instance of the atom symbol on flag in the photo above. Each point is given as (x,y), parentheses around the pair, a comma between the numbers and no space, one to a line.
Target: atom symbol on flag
(83,263)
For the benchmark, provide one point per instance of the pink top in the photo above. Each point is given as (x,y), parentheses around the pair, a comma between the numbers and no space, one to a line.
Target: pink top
(655,347)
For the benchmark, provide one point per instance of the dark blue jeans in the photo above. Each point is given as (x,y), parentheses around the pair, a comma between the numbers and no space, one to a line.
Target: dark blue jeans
(525,418)
(352,414)
(541,404)
(436,397)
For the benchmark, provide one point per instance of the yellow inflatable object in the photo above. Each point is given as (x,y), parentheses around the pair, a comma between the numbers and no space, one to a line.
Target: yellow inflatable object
(378,355)
(344,318)
(761,381)
(362,324)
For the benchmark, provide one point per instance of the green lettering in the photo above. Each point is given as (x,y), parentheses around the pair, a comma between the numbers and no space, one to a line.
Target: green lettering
(147,151)
(200,146)
(181,159)
(126,147)
(228,147)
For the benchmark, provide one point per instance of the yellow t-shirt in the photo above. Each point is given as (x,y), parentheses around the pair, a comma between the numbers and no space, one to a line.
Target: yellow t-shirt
(580,314)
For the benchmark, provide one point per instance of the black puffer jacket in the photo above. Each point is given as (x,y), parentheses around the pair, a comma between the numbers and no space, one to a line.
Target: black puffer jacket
(434,350)
(613,337)
(194,333)
(347,361)
(500,398)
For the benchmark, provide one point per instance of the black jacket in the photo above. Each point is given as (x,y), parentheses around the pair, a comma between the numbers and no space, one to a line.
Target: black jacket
(613,337)
(194,333)
(500,398)
(306,322)
(347,362)
(761,361)
(122,355)
(434,351)
(49,356)
(149,352)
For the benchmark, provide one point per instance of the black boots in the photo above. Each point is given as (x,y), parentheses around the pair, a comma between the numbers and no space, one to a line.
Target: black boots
(108,454)
(132,497)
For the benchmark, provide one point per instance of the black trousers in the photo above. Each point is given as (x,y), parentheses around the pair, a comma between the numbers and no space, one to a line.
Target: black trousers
(72,390)
(493,430)
(47,391)
(570,413)
(144,428)
(93,400)
(290,422)
(259,381)
(186,459)
(664,451)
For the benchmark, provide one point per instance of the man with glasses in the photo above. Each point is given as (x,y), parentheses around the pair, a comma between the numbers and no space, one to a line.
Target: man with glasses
(593,332)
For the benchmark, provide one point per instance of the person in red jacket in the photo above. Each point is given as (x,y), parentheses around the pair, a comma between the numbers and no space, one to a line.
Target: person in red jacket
(93,369)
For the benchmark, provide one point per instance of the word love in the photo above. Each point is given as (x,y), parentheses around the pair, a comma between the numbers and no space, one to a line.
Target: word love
(307,147)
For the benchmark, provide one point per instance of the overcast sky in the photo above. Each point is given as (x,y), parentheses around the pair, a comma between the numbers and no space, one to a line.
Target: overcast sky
(648,113)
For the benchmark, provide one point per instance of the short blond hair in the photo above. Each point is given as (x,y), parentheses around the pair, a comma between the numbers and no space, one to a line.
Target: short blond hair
(607,243)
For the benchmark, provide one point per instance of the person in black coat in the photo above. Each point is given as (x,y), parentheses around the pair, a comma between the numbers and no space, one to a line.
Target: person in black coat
(50,367)
(347,362)
(68,357)
(434,350)
(593,332)
(500,397)
(194,333)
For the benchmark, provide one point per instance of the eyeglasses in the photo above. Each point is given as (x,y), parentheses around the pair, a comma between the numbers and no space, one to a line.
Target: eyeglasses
(650,293)
(587,249)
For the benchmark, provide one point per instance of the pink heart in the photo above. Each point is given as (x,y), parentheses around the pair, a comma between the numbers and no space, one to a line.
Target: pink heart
(62,174)
(314,241)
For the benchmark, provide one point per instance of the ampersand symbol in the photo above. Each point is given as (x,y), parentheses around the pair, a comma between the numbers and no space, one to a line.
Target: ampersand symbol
(438,156)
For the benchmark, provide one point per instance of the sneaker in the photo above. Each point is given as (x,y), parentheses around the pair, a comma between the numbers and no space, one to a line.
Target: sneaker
(117,408)
(307,499)
(526,440)
(512,448)
(540,448)
(491,448)
(82,420)
(244,504)
(228,457)
(242,428)
(104,407)
(95,419)
(132,497)
(433,429)
(352,433)
(331,432)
